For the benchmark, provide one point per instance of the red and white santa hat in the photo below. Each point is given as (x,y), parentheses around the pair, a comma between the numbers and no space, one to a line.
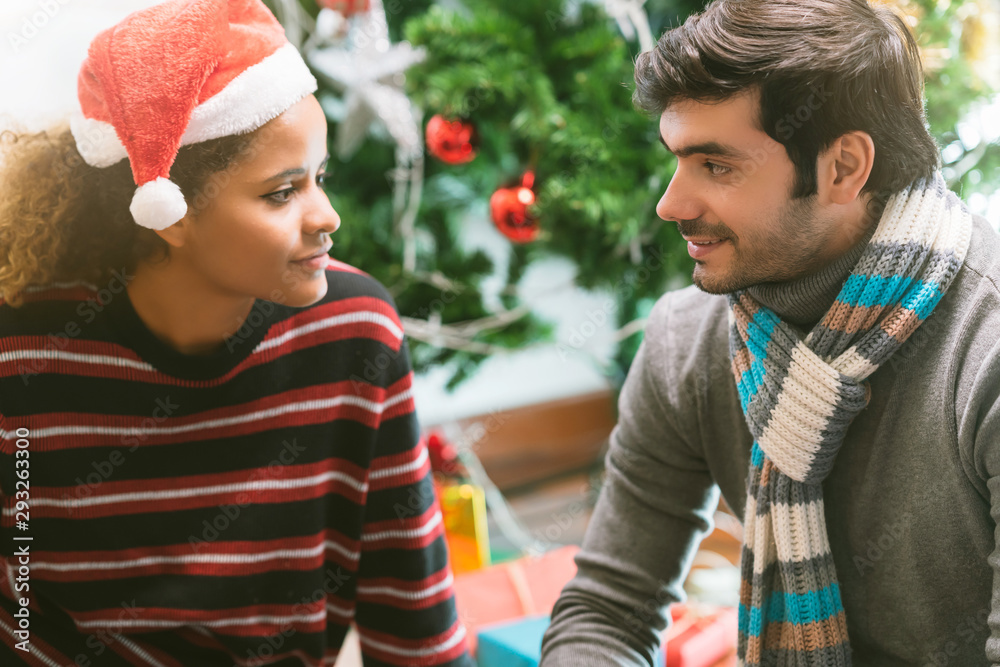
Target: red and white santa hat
(179,73)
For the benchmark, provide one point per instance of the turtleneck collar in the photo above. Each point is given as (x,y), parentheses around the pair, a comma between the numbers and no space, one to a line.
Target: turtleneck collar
(803,302)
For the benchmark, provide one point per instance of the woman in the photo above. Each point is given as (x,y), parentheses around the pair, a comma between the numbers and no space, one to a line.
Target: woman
(208,449)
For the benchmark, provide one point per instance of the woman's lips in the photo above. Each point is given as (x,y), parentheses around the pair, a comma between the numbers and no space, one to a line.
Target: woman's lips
(313,263)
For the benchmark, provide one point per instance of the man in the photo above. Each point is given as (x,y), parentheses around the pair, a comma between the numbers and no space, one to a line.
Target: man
(834,372)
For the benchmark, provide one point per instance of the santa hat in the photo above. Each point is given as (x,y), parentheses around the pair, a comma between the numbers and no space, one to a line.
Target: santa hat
(179,73)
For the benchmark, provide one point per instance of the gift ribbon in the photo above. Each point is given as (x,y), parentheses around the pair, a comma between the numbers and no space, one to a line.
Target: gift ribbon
(517,577)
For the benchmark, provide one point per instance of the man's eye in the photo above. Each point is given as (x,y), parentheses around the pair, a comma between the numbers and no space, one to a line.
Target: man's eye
(717,169)
(321,178)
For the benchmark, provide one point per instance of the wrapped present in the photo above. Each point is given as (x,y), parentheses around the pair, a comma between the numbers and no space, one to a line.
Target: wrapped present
(515,643)
(700,636)
(463,509)
(525,587)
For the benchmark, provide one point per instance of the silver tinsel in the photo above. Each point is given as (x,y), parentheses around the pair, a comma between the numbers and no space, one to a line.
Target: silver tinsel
(369,70)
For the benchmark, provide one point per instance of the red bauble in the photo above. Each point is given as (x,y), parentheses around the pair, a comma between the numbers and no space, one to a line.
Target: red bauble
(347,7)
(443,457)
(509,209)
(452,141)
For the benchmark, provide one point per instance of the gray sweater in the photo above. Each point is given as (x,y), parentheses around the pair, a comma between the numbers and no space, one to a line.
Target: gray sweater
(911,504)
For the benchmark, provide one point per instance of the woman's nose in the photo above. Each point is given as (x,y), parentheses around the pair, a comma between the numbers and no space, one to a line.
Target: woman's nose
(321,216)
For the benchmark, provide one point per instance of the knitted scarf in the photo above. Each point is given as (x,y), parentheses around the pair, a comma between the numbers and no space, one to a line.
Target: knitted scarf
(800,396)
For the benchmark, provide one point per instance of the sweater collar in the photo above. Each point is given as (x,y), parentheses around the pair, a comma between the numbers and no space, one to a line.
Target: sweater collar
(804,301)
(131,331)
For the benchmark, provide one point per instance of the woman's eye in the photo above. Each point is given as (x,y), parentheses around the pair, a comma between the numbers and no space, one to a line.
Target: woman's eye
(281,196)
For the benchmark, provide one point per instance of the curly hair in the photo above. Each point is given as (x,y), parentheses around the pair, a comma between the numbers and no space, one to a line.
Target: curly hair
(62,220)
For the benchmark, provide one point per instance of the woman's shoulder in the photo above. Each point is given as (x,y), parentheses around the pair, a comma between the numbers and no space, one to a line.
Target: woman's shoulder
(47,308)
(346,282)
(356,305)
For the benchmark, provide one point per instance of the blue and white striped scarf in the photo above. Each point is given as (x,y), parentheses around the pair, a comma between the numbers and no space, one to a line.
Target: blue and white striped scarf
(800,396)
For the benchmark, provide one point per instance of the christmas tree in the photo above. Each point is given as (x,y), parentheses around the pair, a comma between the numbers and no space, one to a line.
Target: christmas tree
(531,123)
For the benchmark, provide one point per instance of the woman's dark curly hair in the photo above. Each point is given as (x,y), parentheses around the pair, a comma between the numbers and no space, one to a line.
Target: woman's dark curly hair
(62,220)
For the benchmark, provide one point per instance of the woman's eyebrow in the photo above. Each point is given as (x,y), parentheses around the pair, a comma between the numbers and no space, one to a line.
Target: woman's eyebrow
(295,171)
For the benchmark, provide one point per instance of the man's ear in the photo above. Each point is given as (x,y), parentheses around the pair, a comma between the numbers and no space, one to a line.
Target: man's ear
(845,166)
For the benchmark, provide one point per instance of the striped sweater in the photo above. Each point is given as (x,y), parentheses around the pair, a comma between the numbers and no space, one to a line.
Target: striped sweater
(240,508)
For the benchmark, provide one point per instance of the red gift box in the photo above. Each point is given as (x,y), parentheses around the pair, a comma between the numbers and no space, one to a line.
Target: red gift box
(701,636)
(523,587)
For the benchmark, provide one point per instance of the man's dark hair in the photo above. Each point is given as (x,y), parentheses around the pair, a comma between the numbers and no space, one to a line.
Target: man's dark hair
(822,67)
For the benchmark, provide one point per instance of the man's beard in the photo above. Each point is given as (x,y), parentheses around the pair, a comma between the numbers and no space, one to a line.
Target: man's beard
(785,250)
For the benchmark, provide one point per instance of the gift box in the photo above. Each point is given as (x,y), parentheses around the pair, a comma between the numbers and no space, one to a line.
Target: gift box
(529,586)
(513,643)
(700,636)
(463,509)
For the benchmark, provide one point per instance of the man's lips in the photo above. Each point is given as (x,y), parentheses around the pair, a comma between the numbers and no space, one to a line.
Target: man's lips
(699,248)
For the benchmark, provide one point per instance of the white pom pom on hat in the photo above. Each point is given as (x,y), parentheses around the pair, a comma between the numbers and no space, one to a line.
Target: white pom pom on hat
(179,73)
(158,204)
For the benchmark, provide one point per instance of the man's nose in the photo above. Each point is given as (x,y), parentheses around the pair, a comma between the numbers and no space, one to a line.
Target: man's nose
(680,200)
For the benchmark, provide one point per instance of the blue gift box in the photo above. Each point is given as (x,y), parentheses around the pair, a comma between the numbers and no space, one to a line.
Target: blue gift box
(512,643)
(518,643)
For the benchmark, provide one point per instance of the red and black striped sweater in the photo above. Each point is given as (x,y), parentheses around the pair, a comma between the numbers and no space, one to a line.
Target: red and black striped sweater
(242,508)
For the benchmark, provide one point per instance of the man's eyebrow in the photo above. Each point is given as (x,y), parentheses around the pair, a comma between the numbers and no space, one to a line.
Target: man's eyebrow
(295,171)
(710,148)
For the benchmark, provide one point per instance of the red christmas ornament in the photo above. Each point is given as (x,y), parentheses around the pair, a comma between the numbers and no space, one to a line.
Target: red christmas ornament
(347,7)
(451,141)
(444,458)
(509,209)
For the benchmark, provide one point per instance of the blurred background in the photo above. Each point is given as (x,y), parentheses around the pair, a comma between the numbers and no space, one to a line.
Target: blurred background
(490,170)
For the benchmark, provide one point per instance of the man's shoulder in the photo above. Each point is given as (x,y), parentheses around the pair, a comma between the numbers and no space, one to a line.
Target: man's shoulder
(687,334)
(973,300)
(983,258)
(686,311)
(971,320)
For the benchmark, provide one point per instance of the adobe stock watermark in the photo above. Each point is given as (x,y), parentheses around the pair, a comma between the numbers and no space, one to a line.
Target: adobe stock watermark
(472,438)
(551,535)
(969,629)
(375,368)
(643,615)
(877,547)
(266,650)
(88,311)
(32,24)
(258,315)
(99,641)
(785,128)
(106,466)
(623,288)
(583,158)
(557,19)
(229,514)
